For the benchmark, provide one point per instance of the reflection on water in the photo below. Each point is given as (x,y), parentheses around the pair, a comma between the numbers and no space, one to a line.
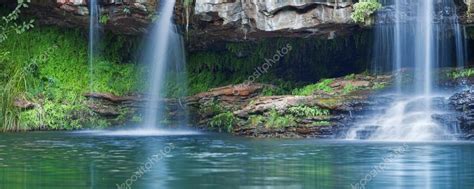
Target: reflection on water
(84,160)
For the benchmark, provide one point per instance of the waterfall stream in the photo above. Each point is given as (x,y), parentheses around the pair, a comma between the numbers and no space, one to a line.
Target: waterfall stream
(165,52)
(418,36)
(93,37)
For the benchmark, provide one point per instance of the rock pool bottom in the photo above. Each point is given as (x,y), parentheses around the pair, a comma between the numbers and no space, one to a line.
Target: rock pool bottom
(71,160)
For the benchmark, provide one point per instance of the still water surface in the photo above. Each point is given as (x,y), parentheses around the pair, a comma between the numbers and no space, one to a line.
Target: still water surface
(89,160)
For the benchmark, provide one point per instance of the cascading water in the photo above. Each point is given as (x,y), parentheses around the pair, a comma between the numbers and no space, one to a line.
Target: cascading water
(165,48)
(93,37)
(418,35)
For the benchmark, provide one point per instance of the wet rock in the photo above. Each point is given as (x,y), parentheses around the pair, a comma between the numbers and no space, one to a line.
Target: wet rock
(463,102)
(104,110)
(252,111)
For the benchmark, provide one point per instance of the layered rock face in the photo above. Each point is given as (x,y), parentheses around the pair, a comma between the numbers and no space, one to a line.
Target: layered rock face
(128,17)
(253,15)
(212,20)
(250,19)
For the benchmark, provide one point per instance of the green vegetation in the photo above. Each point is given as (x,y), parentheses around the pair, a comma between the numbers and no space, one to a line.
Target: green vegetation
(310,89)
(348,88)
(234,63)
(461,73)
(364,9)
(276,120)
(379,85)
(225,120)
(51,71)
(256,120)
(321,124)
(104,19)
(9,25)
(211,108)
(305,111)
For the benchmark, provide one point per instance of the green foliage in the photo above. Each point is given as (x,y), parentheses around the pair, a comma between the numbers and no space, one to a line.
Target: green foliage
(305,111)
(461,73)
(378,86)
(233,63)
(9,25)
(310,89)
(104,19)
(321,123)
(59,116)
(13,90)
(52,72)
(348,88)
(364,9)
(211,108)
(256,120)
(276,120)
(225,120)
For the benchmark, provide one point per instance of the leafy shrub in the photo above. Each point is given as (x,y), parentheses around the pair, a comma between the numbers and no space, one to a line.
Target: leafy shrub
(348,88)
(309,90)
(305,111)
(364,9)
(256,120)
(224,120)
(275,120)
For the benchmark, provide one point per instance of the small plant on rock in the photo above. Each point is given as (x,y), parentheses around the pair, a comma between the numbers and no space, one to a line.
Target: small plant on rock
(305,111)
(323,85)
(225,120)
(255,120)
(364,9)
(275,120)
(104,19)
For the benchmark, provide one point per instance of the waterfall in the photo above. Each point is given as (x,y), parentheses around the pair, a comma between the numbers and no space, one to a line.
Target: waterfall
(93,37)
(420,36)
(165,48)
